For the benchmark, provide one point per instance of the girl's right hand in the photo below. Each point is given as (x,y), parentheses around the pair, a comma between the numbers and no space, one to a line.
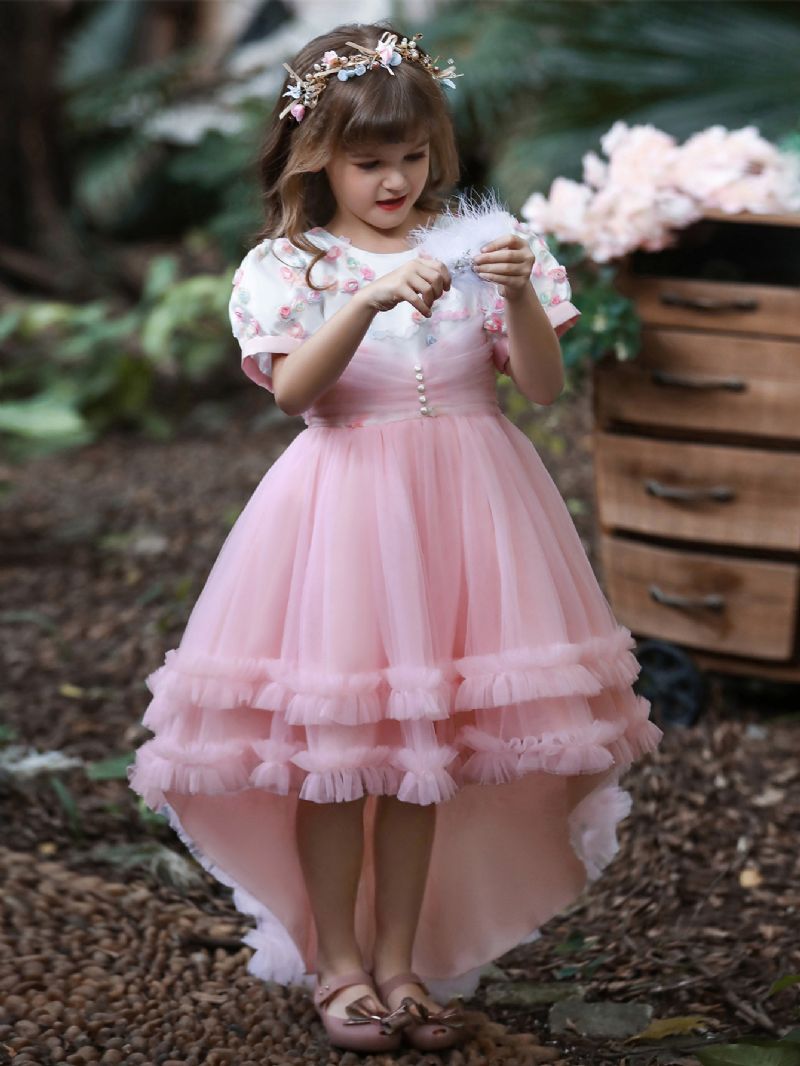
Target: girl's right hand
(419,282)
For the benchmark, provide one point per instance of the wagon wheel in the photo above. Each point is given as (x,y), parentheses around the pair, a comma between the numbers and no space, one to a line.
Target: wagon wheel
(671,682)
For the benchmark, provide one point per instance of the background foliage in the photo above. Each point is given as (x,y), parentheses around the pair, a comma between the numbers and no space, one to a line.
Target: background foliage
(156,225)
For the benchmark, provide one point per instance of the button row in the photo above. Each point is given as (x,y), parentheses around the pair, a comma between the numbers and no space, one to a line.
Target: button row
(423,400)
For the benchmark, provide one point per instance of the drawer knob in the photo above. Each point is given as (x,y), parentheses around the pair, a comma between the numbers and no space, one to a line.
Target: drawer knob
(683,492)
(709,303)
(663,377)
(712,602)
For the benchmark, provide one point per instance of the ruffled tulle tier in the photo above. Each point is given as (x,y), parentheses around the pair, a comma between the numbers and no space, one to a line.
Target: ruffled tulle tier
(572,709)
(401,609)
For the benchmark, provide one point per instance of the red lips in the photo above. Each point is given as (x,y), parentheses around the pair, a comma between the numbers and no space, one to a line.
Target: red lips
(391,205)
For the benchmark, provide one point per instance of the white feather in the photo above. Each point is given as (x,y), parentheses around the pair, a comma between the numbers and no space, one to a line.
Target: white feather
(457,235)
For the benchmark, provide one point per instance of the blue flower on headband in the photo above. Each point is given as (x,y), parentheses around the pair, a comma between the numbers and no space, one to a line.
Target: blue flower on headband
(354,72)
(294,91)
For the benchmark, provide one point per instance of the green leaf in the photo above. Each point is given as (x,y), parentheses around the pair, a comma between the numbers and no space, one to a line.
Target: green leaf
(111,769)
(751,1053)
(42,417)
(67,801)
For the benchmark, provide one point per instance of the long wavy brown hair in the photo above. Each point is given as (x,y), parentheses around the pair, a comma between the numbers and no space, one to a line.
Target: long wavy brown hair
(375,108)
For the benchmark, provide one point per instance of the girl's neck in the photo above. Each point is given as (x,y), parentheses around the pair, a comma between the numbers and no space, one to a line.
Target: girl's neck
(371,239)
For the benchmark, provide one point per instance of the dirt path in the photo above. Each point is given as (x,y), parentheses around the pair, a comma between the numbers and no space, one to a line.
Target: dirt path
(102,555)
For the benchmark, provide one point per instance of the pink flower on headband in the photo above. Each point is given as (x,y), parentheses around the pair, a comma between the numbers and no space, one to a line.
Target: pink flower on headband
(297,112)
(387,55)
(329,58)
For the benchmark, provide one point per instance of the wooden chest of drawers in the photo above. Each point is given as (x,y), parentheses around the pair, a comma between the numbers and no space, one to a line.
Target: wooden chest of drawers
(697,448)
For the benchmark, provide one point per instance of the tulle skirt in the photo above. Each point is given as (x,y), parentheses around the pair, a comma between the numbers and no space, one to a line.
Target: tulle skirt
(403,608)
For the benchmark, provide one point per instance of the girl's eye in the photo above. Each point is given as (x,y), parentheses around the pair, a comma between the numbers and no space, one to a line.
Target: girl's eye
(368,166)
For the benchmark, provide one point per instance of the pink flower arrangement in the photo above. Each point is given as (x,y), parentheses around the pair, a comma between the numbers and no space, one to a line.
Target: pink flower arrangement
(350,285)
(285,311)
(287,273)
(650,186)
(333,252)
(367,273)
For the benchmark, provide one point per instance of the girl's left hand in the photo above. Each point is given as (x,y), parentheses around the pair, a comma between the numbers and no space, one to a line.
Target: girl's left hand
(508,262)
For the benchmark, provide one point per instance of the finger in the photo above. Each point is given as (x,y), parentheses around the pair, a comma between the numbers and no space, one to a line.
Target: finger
(498,279)
(511,240)
(513,255)
(417,301)
(437,270)
(510,269)
(431,267)
(429,289)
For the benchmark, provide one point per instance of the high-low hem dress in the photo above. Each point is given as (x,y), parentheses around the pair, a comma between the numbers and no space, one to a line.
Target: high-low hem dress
(403,607)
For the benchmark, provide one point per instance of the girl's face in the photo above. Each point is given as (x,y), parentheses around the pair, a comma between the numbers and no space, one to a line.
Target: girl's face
(377,186)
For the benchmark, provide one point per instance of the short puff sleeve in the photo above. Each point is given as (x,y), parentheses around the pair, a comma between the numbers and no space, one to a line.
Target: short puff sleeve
(271,308)
(549,279)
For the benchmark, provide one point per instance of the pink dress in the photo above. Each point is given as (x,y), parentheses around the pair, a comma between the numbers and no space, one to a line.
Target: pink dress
(403,607)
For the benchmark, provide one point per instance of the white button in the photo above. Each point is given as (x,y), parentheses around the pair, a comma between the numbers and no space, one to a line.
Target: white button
(424,410)
(418,366)
(418,377)
(423,398)
(421,388)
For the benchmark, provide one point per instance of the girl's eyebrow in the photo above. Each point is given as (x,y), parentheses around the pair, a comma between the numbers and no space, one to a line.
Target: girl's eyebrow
(364,154)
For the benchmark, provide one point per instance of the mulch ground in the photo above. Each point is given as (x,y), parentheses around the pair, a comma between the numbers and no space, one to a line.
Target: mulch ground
(102,553)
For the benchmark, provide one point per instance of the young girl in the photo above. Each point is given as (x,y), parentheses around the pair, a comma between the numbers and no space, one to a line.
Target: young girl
(397,718)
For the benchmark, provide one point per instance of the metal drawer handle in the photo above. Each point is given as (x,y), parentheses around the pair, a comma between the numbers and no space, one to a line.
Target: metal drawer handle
(681,492)
(663,377)
(712,602)
(709,303)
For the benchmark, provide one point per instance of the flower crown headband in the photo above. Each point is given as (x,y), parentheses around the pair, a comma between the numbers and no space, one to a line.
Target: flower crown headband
(387,54)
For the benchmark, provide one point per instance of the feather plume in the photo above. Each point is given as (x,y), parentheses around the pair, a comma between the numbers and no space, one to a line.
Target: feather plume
(459,233)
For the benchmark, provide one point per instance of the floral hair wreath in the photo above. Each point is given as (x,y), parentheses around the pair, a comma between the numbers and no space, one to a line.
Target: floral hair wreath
(387,54)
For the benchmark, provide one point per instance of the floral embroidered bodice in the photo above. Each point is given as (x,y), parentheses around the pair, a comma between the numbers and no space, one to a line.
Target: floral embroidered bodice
(272,309)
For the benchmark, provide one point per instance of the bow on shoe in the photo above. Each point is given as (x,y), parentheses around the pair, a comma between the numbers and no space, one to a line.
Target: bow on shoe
(360,1014)
(450,1015)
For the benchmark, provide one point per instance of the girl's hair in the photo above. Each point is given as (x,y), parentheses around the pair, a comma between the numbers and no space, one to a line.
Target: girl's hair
(372,109)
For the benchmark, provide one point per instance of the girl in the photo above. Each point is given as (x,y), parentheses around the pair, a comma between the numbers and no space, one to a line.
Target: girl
(398,715)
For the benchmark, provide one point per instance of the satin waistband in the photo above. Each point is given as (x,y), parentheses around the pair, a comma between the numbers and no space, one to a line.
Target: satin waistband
(452,410)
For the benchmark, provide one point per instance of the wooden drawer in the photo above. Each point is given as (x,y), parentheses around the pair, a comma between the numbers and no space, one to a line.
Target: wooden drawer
(704,382)
(702,600)
(722,495)
(714,306)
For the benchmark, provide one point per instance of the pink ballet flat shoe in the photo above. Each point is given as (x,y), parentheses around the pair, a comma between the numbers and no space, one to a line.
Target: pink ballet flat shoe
(365,1028)
(430,1030)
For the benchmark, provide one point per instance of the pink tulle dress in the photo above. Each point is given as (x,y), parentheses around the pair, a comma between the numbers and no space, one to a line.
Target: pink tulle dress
(403,607)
